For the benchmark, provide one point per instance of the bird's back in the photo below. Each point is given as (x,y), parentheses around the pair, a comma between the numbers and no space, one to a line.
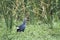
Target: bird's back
(21,27)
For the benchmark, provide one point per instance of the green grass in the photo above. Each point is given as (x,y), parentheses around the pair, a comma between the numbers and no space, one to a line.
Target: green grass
(32,32)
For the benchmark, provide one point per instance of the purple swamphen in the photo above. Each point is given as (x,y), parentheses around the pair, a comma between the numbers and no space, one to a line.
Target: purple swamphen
(22,27)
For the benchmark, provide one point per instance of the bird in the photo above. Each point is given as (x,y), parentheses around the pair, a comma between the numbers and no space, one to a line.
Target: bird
(22,27)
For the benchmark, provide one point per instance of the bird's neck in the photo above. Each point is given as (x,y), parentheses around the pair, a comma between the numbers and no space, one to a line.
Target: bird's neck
(24,21)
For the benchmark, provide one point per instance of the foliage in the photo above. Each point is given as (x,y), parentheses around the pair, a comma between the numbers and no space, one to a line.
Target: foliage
(43,24)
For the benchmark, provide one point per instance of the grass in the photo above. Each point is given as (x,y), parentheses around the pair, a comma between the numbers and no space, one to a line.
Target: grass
(32,32)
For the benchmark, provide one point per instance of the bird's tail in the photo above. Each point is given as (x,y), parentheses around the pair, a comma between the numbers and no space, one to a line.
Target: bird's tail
(17,27)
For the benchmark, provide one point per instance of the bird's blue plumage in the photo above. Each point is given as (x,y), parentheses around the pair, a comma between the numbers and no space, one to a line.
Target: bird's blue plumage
(22,26)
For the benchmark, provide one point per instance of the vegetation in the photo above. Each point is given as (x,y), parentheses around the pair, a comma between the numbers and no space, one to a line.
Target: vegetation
(43,15)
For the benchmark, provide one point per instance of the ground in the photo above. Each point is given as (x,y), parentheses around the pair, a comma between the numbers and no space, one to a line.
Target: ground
(32,32)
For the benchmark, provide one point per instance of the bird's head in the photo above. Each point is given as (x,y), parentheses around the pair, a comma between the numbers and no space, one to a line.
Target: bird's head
(26,18)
